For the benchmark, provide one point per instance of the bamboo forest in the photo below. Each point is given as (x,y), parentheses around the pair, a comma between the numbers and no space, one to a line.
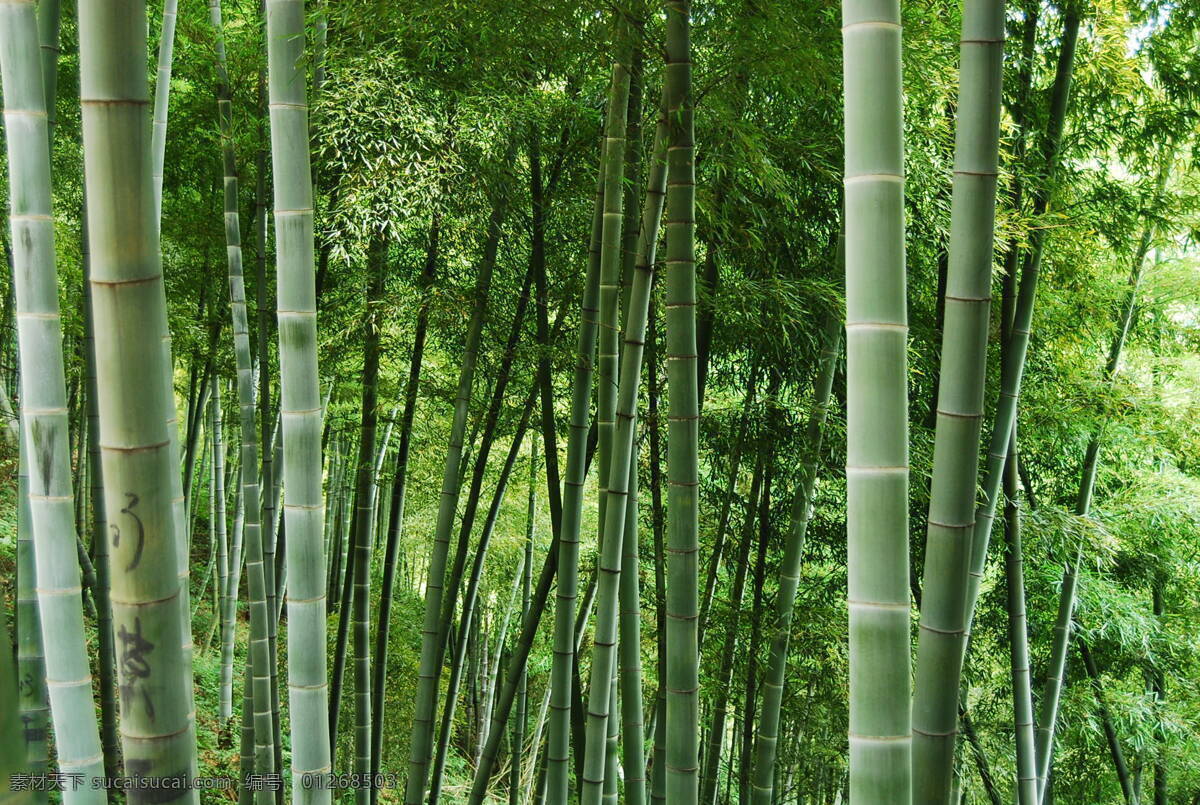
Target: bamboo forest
(677,402)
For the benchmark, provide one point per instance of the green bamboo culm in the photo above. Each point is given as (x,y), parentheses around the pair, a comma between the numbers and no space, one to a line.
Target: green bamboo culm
(245,371)
(44,431)
(683,417)
(630,657)
(105,640)
(951,521)
(162,98)
(766,742)
(32,703)
(876,406)
(130,322)
(1013,365)
(558,747)
(604,644)
(300,400)
(1018,638)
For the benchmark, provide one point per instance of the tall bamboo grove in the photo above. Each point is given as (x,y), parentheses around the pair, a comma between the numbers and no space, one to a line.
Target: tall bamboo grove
(44,433)
(130,315)
(877,406)
(300,399)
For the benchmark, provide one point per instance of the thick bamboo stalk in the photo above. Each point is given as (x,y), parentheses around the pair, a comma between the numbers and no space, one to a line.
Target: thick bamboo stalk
(47,499)
(621,468)
(951,519)
(683,416)
(789,573)
(604,644)
(877,406)
(300,398)
(135,404)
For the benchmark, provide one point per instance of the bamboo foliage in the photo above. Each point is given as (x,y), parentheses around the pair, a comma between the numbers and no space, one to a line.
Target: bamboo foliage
(300,400)
(1056,672)
(429,672)
(877,404)
(130,322)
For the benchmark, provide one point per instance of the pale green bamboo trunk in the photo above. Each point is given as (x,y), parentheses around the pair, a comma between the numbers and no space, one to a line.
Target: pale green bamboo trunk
(300,399)
(133,371)
(951,520)
(767,739)
(877,406)
(44,427)
(683,417)
(162,98)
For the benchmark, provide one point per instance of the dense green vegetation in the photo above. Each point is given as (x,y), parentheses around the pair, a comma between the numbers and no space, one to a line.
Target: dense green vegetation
(714,401)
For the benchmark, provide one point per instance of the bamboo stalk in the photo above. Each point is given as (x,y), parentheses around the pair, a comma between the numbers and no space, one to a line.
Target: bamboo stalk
(877,405)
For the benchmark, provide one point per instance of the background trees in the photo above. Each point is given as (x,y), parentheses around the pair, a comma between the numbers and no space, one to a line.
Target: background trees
(455,159)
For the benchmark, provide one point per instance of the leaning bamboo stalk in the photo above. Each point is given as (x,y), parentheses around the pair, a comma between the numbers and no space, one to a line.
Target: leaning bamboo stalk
(621,468)
(604,644)
(558,745)
(300,398)
(877,406)
(131,325)
(1013,365)
(767,740)
(951,520)
(1018,639)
